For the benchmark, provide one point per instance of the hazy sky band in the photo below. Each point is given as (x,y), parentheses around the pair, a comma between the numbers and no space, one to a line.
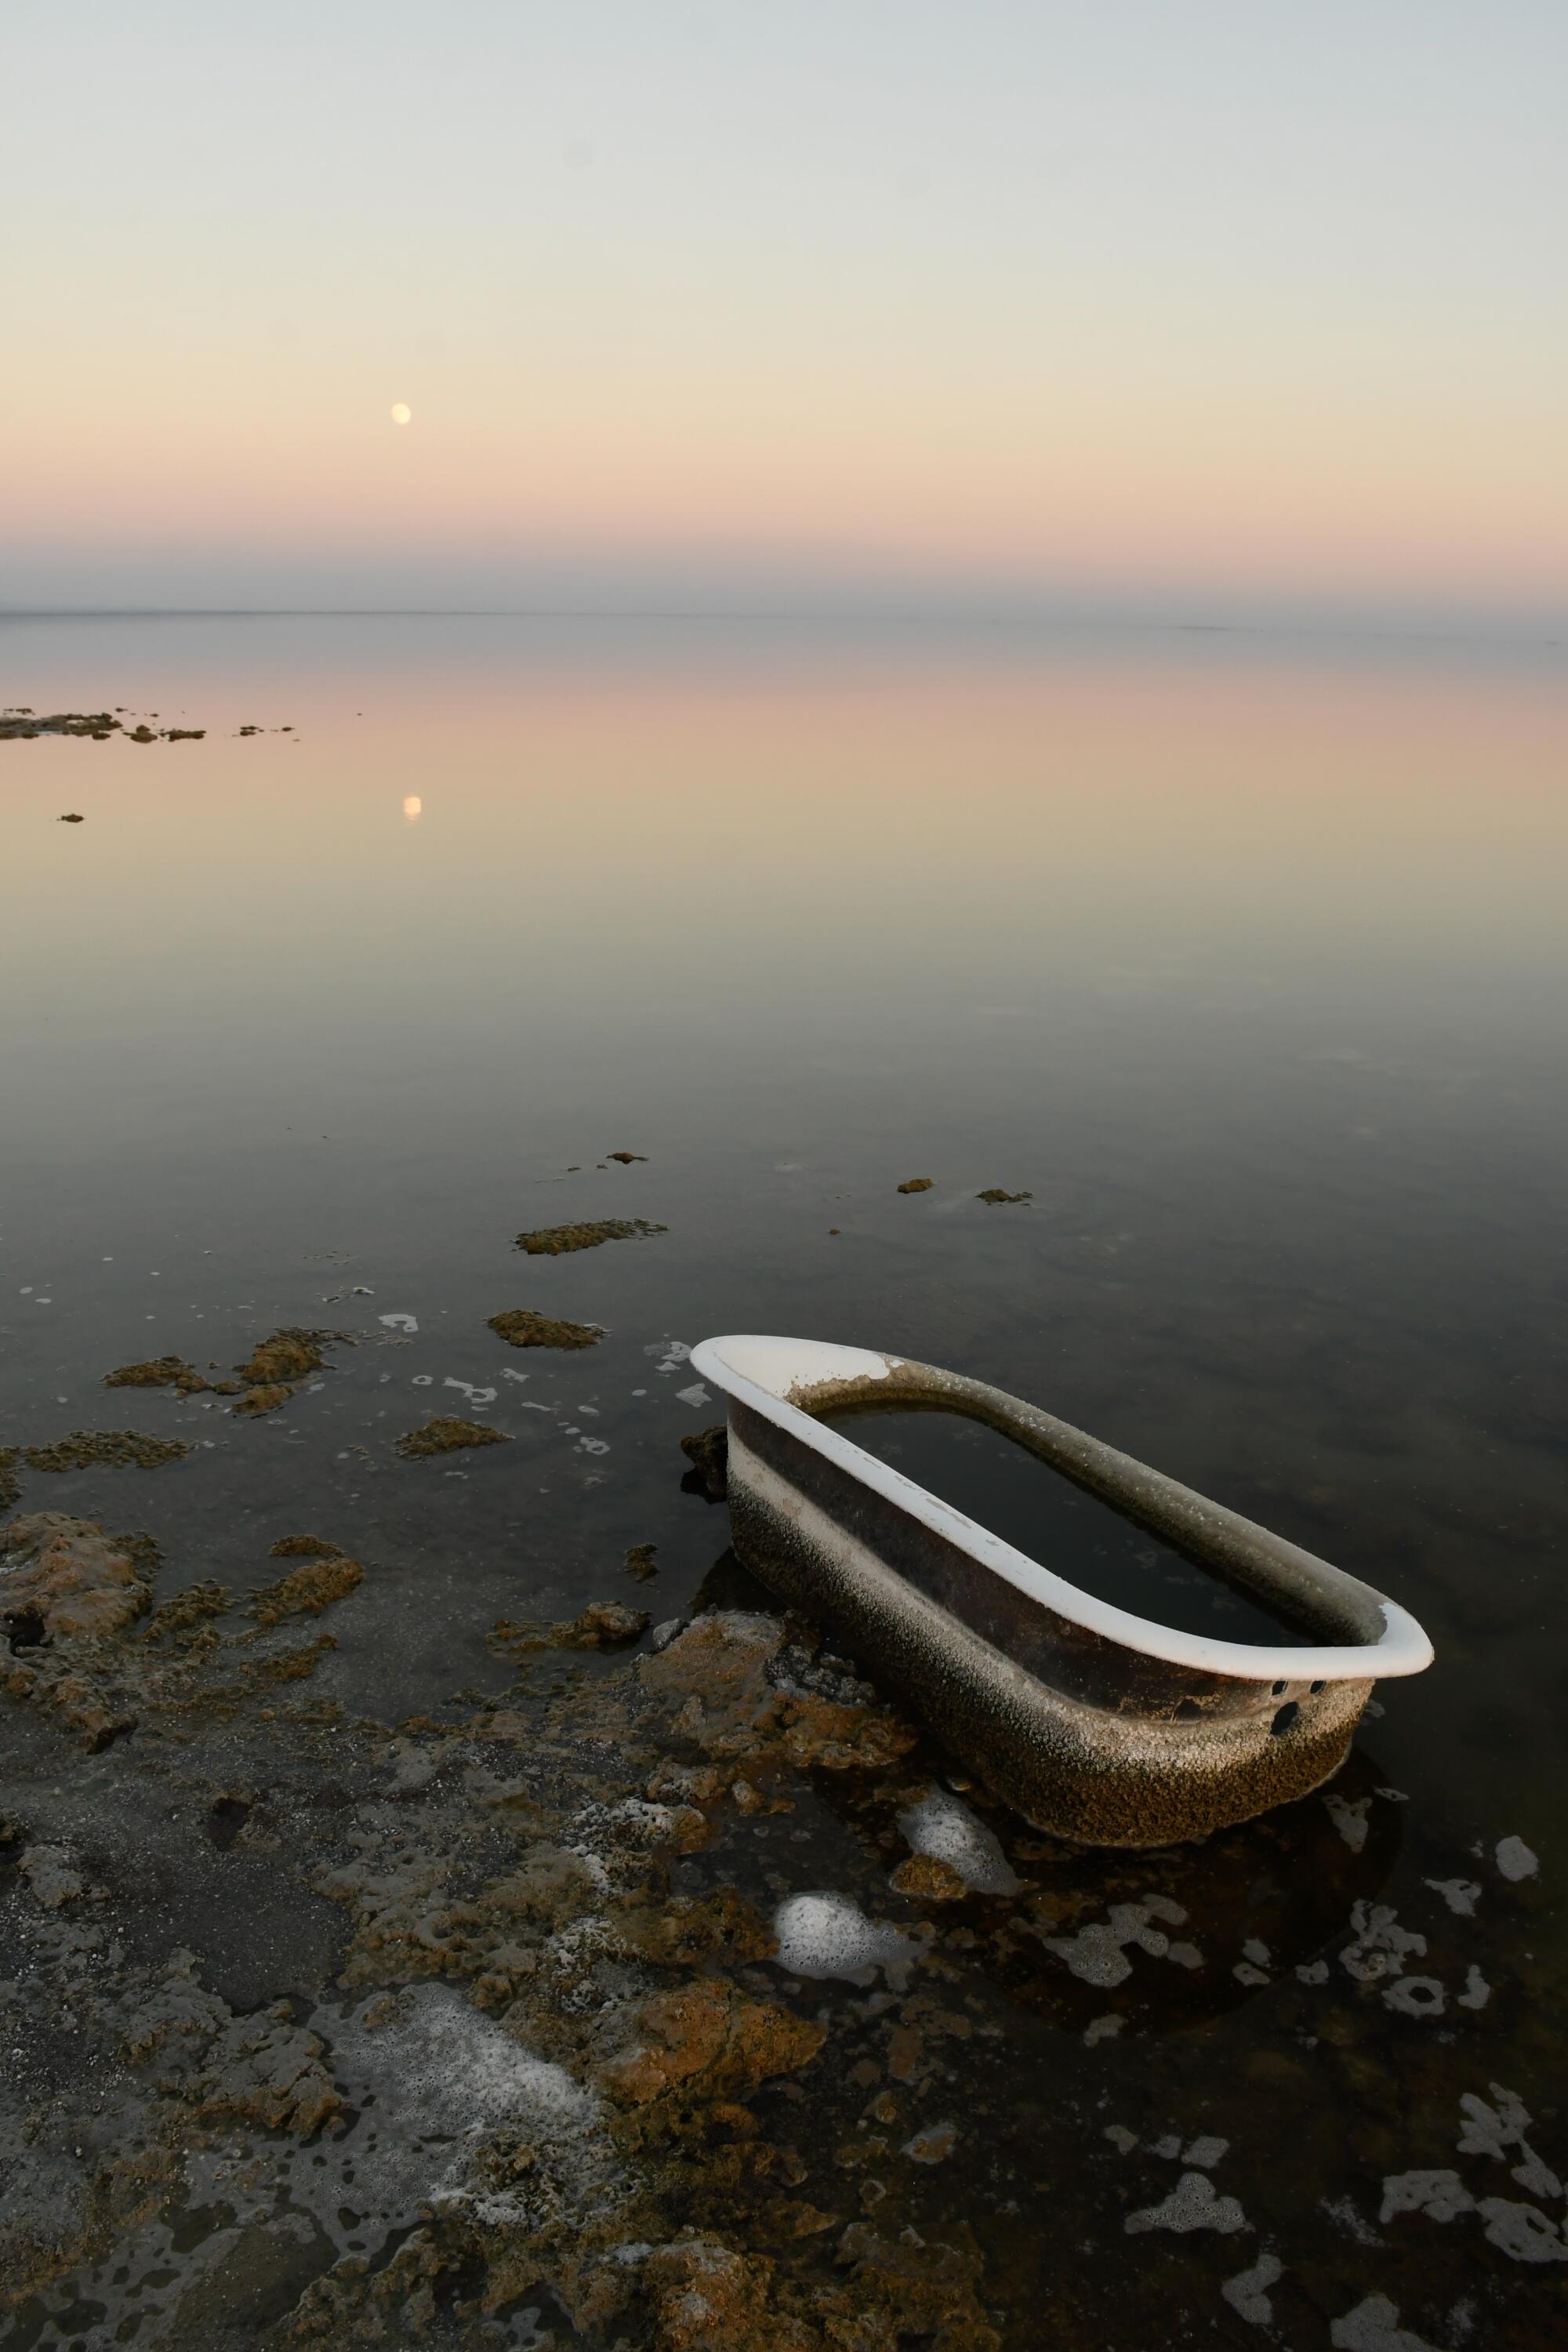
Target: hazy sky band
(1192,298)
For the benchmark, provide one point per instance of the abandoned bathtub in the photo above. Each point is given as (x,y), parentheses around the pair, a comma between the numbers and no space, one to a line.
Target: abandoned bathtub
(1095,1724)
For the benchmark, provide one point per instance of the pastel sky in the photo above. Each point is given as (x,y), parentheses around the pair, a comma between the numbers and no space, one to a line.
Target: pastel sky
(1205,303)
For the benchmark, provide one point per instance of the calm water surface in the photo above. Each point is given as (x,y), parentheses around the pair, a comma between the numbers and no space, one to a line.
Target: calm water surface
(1244,958)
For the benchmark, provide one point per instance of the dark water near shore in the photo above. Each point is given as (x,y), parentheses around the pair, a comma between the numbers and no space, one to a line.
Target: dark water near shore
(1247,959)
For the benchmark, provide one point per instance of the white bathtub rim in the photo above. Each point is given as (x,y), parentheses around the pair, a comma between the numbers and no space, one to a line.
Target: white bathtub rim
(747,1365)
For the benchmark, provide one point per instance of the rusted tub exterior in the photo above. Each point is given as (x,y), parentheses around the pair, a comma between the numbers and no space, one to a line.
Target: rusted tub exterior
(1095,1724)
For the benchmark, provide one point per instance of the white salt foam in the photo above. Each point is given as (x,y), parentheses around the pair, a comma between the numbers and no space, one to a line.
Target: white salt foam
(942,1826)
(827,1936)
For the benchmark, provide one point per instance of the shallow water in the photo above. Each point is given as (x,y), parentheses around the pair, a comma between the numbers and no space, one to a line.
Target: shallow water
(1243,957)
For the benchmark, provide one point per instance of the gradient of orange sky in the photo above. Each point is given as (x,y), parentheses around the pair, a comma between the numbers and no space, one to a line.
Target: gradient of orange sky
(1180,297)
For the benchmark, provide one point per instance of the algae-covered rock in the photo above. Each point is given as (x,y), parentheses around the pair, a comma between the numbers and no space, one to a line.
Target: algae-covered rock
(640,1562)
(603,1625)
(288,1354)
(744,1690)
(691,1928)
(186,1612)
(520,1327)
(708,2033)
(50,1877)
(918,1184)
(266,2070)
(304,1547)
(158,1372)
(62,1577)
(993,1196)
(709,2298)
(556,1241)
(104,1449)
(708,1451)
(307,1590)
(266,1398)
(926,1879)
(925,2290)
(443,1433)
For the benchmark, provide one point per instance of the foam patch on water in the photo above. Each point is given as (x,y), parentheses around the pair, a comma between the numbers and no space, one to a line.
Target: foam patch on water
(1515,1860)
(1247,2292)
(1194,2203)
(828,1935)
(1097,1954)
(942,1826)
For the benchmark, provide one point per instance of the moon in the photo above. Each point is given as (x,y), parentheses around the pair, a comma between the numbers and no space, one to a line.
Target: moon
(401,411)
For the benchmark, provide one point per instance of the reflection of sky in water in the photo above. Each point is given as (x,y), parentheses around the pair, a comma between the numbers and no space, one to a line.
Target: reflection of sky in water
(1248,967)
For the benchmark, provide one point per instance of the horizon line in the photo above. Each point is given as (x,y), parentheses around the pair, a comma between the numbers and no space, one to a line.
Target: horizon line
(1348,620)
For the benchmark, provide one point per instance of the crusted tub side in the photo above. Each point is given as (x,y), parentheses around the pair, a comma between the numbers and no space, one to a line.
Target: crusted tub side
(1104,1775)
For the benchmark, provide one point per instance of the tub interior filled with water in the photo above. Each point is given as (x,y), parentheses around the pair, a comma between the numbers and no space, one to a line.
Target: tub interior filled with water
(1005,1487)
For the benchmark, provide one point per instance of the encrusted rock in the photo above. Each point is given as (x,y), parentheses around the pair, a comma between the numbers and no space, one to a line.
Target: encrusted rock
(603,1625)
(443,1433)
(63,1576)
(709,2036)
(520,1327)
(158,1372)
(288,1354)
(105,1449)
(745,1691)
(266,2070)
(926,1879)
(48,1872)
(266,1398)
(708,1451)
(556,1241)
(306,1591)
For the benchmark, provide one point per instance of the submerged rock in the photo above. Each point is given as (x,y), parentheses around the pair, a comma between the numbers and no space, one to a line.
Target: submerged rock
(104,1449)
(443,1433)
(993,1195)
(49,1875)
(304,1547)
(520,1327)
(158,1372)
(603,1625)
(925,1879)
(918,1184)
(69,1595)
(306,1591)
(287,1355)
(744,1691)
(268,1398)
(556,1241)
(707,2032)
(267,2070)
(708,1451)
(61,1577)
